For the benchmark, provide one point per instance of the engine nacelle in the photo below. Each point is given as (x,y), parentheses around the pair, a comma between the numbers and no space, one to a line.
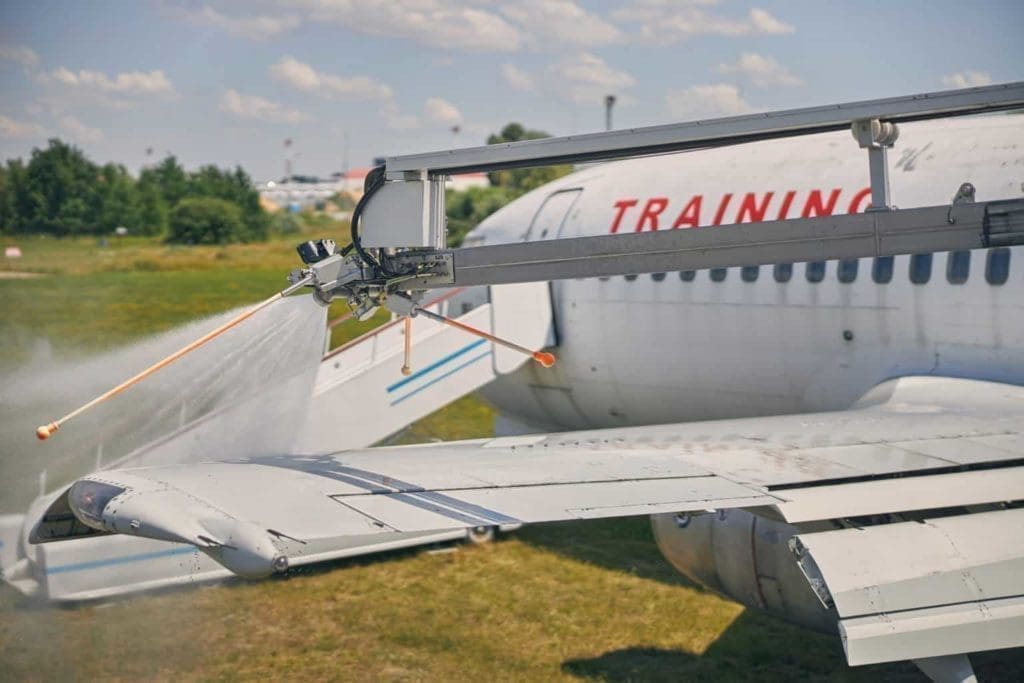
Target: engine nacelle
(744,557)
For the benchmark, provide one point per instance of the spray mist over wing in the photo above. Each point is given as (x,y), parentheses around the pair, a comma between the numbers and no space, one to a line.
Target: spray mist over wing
(244,393)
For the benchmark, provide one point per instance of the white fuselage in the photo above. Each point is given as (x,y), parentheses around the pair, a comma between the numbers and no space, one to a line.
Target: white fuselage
(667,347)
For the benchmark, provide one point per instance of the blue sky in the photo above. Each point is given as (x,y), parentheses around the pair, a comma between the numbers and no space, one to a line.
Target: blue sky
(227,82)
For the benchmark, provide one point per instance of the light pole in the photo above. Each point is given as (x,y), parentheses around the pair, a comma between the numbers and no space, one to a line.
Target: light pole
(609,102)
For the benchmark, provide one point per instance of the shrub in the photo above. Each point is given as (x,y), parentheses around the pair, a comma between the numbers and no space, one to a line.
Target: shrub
(206,220)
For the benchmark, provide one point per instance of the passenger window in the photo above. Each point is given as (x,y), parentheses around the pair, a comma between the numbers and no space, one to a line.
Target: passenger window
(783,272)
(997,266)
(920,268)
(958,267)
(630,278)
(657,277)
(687,275)
(881,270)
(847,271)
(718,274)
(749,273)
(815,271)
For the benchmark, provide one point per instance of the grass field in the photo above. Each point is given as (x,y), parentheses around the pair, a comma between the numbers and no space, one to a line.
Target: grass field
(571,601)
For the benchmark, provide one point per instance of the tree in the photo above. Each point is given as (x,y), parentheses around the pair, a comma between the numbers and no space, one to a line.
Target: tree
(206,220)
(59,194)
(522,180)
(169,177)
(235,187)
(466,209)
(118,201)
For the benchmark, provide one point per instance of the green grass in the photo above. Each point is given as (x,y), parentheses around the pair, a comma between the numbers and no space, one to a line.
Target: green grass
(573,601)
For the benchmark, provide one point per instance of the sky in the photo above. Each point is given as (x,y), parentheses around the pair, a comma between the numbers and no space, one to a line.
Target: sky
(349,80)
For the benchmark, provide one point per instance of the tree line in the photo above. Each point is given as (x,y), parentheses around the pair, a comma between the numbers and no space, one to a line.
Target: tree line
(62,192)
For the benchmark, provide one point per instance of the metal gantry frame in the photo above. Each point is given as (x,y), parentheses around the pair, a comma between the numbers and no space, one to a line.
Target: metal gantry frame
(404,218)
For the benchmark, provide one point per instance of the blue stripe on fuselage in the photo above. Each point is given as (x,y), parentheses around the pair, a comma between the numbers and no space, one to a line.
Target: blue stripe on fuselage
(436,364)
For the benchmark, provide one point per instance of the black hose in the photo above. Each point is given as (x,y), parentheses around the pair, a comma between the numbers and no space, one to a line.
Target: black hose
(374,181)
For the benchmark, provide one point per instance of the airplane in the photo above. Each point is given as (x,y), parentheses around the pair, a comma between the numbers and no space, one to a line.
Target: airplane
(837,443)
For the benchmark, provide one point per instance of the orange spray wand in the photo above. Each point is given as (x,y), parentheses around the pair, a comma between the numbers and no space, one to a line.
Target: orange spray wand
(542,357)
(44,432)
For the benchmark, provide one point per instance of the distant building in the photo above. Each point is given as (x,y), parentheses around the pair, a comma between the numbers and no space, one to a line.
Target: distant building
(308,192)
(304,192)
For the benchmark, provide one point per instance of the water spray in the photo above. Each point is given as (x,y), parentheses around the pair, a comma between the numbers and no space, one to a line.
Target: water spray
(44,432)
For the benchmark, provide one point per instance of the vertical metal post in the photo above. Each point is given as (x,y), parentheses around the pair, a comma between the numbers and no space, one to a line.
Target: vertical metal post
(878,165)
(609,102)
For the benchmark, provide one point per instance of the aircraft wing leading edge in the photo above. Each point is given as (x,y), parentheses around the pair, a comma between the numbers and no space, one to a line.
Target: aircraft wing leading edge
(932,445)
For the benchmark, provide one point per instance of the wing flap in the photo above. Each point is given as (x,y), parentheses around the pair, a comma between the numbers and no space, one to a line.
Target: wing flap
(934,631)
(529,504)
(898,567)
(902,494)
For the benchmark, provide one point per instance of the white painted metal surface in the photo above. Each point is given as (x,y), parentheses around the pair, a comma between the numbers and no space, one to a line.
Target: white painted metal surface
(892,568)
(933,632)
(653,351)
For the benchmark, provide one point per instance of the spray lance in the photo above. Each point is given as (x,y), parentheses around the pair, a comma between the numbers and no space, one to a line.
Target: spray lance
(44,432)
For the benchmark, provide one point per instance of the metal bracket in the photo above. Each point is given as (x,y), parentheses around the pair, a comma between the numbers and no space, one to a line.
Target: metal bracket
(877,137)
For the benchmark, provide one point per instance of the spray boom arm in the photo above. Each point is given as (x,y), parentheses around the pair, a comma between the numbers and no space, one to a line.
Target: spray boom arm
(398,227)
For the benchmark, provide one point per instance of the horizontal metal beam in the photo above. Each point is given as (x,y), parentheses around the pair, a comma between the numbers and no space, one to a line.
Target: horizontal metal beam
(881,233)
(699,134)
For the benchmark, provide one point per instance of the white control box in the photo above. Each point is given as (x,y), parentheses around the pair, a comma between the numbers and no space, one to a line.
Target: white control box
(406,213)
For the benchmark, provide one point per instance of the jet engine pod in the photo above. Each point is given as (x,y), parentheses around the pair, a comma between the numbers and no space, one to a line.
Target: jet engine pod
(744,557)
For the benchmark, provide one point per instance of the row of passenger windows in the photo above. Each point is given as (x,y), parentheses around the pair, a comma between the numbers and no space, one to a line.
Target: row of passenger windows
(958,269)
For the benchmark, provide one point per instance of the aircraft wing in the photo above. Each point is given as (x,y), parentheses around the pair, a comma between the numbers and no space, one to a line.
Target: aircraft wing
(935,450)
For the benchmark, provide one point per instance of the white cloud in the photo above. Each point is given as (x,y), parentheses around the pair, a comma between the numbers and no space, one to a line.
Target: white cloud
(665,22)
(10,128)
(517,79)
(256,27)
(561,22)
(304,77)
(967,79)
(766,23)
(130,83)
(447,24)
(586,78)
(442,111)
(78,131)
(700,101)
(258,108)
(19,53)
(764,72)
